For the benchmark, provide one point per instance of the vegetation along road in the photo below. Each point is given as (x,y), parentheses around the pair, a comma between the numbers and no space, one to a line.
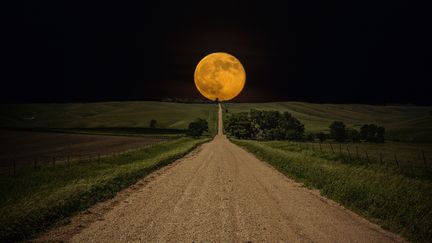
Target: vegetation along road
(219,193)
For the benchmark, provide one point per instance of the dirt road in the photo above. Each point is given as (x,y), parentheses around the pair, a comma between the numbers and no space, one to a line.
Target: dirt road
(221,193)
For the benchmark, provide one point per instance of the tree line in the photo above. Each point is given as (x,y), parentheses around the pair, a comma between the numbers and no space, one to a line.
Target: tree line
(274,125)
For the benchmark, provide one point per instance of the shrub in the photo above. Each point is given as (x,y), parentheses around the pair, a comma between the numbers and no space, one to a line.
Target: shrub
(321,136)
(372,133)
(337,131)
(310,137)
(353,135)
(197,128)
(153,123)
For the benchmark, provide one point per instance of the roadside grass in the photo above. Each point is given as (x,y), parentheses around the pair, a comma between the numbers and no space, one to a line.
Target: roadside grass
(402,122)
(409,159)
(33,200)
(398,203)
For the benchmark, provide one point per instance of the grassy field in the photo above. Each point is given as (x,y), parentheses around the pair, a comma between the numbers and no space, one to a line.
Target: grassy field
(410,159)
(404,123)
(397,202)
(23,148)
(111,117)
(32,201)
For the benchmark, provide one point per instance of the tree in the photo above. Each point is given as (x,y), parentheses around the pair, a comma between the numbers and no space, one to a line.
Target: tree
(153,123)
(310,137)
(239,125)
(353,135)
(197,128)
(372,133)
(264,125)
(380,135)
(321,136)
(337,131)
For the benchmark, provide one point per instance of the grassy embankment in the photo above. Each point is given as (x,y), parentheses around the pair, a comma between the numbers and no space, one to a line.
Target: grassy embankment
(32,201)
(396,202)
(403,123)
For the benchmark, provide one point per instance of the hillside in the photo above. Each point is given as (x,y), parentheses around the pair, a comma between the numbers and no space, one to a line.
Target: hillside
(106,114)
(405,123)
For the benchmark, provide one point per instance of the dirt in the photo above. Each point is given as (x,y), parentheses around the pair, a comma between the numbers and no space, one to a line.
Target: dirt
(219,193)
(23,146)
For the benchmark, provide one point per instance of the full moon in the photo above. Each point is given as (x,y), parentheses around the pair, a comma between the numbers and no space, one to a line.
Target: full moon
(219,76)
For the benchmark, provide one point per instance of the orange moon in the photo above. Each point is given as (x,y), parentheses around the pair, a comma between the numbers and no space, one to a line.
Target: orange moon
(219,76)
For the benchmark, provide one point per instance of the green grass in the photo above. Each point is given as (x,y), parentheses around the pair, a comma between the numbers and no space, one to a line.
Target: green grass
(33,200)
(109,115)
(403,158)
(404,123)
(398,203)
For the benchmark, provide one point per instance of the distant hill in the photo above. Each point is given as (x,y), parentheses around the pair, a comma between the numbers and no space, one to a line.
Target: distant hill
(106,115)
(405,123)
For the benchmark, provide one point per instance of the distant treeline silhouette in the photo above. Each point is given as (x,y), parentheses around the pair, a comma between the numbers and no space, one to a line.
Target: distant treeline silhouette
(274,125)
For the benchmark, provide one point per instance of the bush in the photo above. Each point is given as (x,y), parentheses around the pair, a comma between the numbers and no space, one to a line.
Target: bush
(197,128)
(310,137)
(353,135)
(372,133)
(264,125)
(337,131)
(153,123)
(321,136)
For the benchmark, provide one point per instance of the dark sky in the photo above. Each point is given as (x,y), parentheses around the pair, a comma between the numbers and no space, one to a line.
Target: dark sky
(345,52)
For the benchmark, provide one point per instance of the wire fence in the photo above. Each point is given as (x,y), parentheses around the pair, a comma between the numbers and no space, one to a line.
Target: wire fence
(14,167)
(413,163)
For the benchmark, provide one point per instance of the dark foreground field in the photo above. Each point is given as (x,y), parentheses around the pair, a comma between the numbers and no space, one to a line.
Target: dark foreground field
(23,147)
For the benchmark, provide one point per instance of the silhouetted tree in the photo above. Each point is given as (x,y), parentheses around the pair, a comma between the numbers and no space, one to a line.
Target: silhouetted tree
(153,123)
(337,131)
(239,125)
(372,133)
(264,125)
(197,128)
(353,135)
(310,137)
(321,136)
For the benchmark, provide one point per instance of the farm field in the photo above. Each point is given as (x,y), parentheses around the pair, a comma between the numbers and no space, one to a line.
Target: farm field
(106,115)
(404,122)
(24,147)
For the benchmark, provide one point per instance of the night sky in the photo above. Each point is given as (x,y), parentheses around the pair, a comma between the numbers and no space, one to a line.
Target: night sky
(339,52)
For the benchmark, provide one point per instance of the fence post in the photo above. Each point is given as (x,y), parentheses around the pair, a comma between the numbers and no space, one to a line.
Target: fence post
(397,162)
(349,154)
(367,156)
(424,160)
(331,148)
(358,156)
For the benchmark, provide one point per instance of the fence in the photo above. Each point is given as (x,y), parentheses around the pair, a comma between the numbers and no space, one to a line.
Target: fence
(413,163)
(15,166)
